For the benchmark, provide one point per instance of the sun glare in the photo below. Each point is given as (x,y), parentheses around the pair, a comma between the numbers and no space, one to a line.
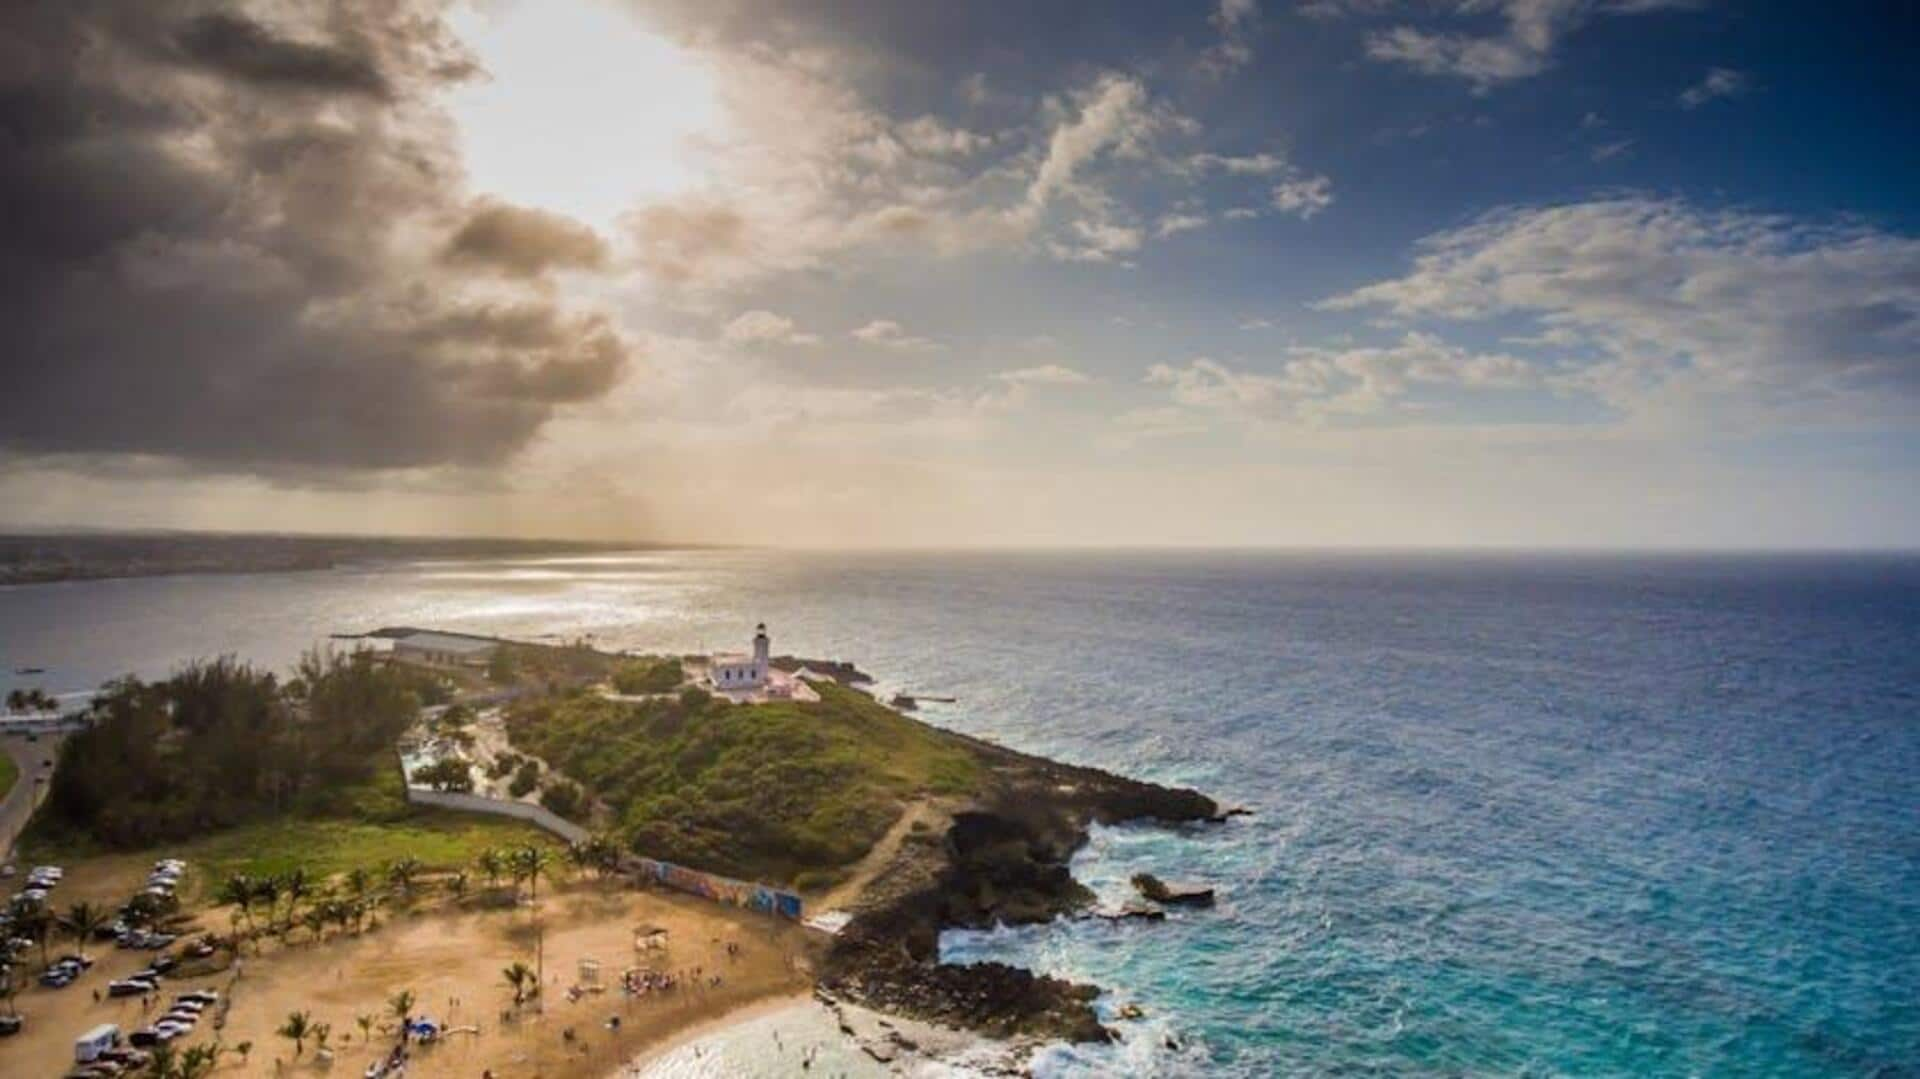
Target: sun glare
(583,110)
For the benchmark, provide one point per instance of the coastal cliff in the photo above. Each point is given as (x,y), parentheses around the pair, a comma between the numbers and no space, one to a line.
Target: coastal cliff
(1003,858)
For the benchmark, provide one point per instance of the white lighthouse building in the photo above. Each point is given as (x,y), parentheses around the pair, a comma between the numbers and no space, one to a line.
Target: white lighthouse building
(734,672)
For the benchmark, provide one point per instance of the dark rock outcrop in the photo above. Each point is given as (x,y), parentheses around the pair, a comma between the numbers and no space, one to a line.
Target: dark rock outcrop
(1172,895)
(1004,861)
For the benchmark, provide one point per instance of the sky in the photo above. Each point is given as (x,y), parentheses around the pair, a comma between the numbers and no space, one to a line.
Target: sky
(1616,273)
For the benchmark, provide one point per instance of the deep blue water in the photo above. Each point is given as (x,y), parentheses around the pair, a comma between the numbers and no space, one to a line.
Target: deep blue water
(1517,814)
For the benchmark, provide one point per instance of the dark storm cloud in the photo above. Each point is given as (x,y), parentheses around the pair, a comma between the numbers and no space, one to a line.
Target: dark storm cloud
(524,242)
(223,247)
(241,48)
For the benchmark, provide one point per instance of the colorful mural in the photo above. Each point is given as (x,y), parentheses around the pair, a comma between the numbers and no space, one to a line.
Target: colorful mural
(738,893)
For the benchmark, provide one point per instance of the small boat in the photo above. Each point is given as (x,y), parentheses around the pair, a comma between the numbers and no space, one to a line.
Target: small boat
(29,670)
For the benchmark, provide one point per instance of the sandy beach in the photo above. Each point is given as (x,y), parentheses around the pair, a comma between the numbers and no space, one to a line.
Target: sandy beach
(452,962)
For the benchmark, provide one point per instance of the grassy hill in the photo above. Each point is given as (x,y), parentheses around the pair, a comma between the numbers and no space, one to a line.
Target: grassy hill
(785,791)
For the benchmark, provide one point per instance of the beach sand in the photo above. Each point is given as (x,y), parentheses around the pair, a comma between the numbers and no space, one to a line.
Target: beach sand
(804,1036)
(452,962)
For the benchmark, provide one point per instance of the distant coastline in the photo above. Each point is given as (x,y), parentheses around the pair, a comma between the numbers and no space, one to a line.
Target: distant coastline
(49,557)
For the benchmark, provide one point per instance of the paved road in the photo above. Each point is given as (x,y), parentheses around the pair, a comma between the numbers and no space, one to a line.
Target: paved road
(35,760)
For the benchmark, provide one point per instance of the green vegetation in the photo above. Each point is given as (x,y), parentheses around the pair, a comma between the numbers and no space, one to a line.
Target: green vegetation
(765,791)
(221,744)
(440,840)
(446,774)
(648,675)
(9,773)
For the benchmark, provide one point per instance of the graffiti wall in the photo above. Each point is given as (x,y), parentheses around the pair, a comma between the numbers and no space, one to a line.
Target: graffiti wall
(739,893)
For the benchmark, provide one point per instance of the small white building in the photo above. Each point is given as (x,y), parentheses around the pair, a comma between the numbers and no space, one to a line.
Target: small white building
(736,672)
(445,649)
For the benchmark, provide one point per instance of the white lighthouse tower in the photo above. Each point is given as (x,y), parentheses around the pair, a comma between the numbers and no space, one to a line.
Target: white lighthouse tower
(738,672)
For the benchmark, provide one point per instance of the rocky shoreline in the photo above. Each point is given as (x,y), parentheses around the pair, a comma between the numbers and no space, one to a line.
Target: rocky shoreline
(1002,859)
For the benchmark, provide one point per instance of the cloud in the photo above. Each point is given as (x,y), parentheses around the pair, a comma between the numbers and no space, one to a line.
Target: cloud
(1304,196)
(1173,224)
(1717,83)
(1607,151)
(1046,374)
(1668,296)
(524,242)
(236,46)
(1235,21)
(269,296)
(888,334)
(1524,47)
(765,327)
(1315,385)
(1261,164)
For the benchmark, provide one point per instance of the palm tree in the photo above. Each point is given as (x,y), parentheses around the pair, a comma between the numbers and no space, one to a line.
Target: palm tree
(365,1022)
(81,921)
(529,863)
(296,886)
(401,1005)
(321,1032)
(314,918)
(401,875)
(245,1049)
(9,987)
(238,891)
(491,864)
(197,1062)
(518,975)
(267,891)
(457,884)
(162,1064)
(297,1028)
(36,925)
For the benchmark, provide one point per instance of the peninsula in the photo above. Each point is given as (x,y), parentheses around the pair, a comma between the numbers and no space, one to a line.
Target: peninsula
(851,833)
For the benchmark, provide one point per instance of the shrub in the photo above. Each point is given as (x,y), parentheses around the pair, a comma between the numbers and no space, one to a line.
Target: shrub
(525,780)
(563,798)
(649,675)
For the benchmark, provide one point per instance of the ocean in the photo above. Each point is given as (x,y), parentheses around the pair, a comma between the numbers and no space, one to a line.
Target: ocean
(1515,814)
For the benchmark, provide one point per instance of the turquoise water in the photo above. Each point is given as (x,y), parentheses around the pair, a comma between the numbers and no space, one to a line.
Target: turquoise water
(1525,815)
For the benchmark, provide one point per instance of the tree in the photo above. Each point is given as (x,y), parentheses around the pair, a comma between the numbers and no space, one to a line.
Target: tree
(518,976)
(9,986)
(297,1029)
(80,922)
(36,925)
(245,1049)
(401,1006)
(563,798)
(447,774)
(457,884)
(315,920)
(491,866)
(365,1022)
(529,864)
(238,892)
(403,874)
(197,1061)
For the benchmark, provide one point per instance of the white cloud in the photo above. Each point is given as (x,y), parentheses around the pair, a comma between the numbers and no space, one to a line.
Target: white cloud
(886,333)
(1607,151)
(1675,299)
(1717,83)
(1046,374)
(1522,48)
(1171,224)
(1303,196)
(1315,385)
(765,327)
(1235,21)
(1260,164)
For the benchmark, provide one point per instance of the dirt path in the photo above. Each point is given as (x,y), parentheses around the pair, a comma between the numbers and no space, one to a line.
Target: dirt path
(848,891)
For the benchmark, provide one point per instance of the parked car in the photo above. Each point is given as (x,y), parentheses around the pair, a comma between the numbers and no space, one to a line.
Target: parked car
(143,1038)
(130,987)
(10,1025)
(204,996)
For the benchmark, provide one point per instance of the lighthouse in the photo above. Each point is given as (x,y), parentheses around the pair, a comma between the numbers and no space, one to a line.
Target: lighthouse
(740,672)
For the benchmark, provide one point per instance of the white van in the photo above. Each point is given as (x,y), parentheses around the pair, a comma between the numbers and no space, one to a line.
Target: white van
(88,1047)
